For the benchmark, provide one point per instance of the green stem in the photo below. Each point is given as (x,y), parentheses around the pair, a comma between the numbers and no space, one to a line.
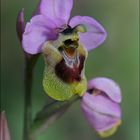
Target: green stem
(49,114)
(27,100)
(29,65)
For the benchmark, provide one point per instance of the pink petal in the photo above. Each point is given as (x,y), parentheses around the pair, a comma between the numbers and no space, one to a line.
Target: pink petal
(4,131)
(95,34)
(98,121)
(37,31)
(102,104)
(101,112)
(108,86)
(56,9)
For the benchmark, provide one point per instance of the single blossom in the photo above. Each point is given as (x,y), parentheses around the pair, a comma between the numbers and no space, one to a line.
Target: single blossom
(4,130)
(100,105)
(64,44)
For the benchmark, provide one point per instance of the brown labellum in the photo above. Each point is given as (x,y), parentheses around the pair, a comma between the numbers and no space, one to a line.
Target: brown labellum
(68,74)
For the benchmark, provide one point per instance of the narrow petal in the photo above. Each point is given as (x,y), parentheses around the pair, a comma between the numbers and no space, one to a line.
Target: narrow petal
(56,9)
(4,131)
(95,34)
(37,31)
(108,86)
(20,25)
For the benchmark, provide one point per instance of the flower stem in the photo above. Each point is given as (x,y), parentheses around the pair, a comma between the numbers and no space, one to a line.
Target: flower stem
(29,66)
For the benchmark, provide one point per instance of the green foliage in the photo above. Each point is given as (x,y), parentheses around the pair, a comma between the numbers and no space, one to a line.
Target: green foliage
(117,58)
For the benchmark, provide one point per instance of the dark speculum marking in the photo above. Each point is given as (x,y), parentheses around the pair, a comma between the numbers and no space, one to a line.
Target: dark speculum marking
(90,91)
(68,74)
(68,30)
(71,44)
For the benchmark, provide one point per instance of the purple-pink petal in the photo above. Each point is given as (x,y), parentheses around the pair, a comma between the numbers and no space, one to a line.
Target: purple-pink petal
(56,9)
(108,86)
(102,103)
(101,112)
(37,31)
(95,34)
(98,121)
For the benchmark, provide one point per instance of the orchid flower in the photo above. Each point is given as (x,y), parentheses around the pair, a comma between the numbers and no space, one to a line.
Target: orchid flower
(100,105)
(64,44)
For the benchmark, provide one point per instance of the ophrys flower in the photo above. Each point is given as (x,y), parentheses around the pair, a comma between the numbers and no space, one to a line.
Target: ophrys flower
(100,105)
(64,44)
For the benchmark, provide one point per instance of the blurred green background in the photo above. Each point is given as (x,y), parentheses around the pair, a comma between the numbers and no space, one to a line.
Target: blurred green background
(117,58)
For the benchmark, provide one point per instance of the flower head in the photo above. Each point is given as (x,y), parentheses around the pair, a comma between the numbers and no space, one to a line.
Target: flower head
(64,44)
(51,17)
(101,106)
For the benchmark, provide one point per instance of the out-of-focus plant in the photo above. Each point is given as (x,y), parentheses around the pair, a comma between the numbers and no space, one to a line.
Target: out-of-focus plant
(4,130)
(65,45)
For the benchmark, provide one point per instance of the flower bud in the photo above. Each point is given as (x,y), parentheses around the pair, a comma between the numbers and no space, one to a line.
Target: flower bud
(100,105)
(4,131)
(20,26)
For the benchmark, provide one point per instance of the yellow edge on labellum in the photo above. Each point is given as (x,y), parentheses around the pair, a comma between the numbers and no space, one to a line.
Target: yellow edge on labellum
(111,131)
